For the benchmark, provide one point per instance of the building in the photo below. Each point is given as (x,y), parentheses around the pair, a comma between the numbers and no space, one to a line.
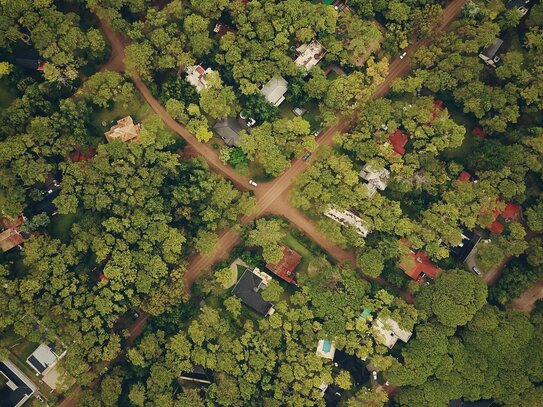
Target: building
(522,6)
(198,374)
(50,192)
(376,178)
(247,290)
(398,140)
(326,349)
(15,387)
(470,239)
(480,403)
(491,54)
(348,218)
(309,55)
(125,130)
(222,29)
(286,266)
(510,212)
(417,265)
(197,76)
(388,332)
(355,366)
(464,176)
(228,130)
(11,235)
(44,358)
(275,90)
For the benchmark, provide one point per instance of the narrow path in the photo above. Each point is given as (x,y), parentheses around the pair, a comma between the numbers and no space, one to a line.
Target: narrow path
(527,299)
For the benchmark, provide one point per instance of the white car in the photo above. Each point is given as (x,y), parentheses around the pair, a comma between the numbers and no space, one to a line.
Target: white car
(374,375)
(403,55)
(254,184)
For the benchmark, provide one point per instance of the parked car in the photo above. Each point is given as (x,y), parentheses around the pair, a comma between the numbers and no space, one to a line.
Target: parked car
(403,55)
(374,375)
(254,184)
(306,155)
(477,271)
(316,133)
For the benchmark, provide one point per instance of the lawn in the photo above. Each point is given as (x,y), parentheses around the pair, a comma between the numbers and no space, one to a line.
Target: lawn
(311,115)
(104,119)
(307,254)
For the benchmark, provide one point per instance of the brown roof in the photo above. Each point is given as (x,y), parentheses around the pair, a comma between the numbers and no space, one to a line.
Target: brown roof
(124,130)
(286,266)
(10,238)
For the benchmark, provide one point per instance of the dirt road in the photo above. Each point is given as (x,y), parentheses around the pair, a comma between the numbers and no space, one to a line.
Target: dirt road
(527,299)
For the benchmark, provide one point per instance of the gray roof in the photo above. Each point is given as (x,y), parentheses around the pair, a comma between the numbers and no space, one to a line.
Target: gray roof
(491,51)
(246,289)
(18,389)
(228,129)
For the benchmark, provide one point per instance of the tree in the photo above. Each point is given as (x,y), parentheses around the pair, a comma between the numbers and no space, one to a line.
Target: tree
(110,390)
(267,234)
(206,241)
(454,298)
(104,87)
(224,276)
(371,262)
(273,291)
(233,306)
(217,100)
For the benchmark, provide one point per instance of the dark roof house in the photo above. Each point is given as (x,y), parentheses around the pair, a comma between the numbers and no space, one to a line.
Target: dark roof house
(470,239)
(247,287)
(228,129)
(521,5)
(44,358)
(353,365)
(286,266)
(490,54)
(197,374)
(16,388)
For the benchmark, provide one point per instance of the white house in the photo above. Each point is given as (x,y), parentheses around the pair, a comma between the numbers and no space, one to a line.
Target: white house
(377,178)
(196,76)
(348,218)
(275,90)
(389,332)
(309,55)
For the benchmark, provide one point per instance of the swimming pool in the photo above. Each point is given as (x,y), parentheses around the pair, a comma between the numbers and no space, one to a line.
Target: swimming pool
(326,346)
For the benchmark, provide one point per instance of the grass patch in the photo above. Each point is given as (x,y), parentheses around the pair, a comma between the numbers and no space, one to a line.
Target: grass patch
(104,119)
(307,254)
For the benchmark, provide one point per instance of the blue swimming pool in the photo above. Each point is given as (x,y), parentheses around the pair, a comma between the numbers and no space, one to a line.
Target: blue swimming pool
(326,346)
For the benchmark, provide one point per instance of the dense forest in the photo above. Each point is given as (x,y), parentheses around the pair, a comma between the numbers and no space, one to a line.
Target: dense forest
(120,233)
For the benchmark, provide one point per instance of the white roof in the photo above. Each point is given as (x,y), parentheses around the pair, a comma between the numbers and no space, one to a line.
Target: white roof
(274,90)
(327,355)
(347,217)
(309,55)
(196,76)
(42,359)
(377,178)
(389,332)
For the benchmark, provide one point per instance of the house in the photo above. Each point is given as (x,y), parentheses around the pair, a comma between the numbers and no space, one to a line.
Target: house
(470,239)
(275,90)
(521,5)
(417,265)
(228,129)
(509,213)
(388,332)
(15,387)
(77,155)
(355,366)
(348,218)
(125,130)
(398,140)
(491,54)
(44,358)
(222,29)
(286,266)
(28,59)
(309,55)
(464,176)
(197,374)
(11,235)
(247,290)
(197,76)
(479,132)
(326,349)
(50,192)
(377,178)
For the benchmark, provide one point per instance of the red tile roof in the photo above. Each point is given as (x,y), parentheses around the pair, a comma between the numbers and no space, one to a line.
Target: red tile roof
(102,277)
(398,141)
(479,132)
(496,227)
(510,211)
(464,176)
(285,268)
(78,156)
(438,107)
(200,70)
(416,264)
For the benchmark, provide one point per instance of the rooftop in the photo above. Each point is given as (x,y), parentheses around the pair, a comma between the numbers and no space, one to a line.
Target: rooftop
(348,218)
(197,76)
(228,129)
(389,332)
(43,358)
(286,266)
(417,264)
(377,178)
(247,287)
(309,55)
(398,140)
(18,388)
(124,130)
(274,90)
(10,236)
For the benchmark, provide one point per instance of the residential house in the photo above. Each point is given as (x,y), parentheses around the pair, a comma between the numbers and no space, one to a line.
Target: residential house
(309,55)
(522,6)
(28,59)
(348,218)
(15,387)
(510,212)
(50,192)
(286,266)
(388,332)
(198,374)
(275,90)
(417,265)
(11,235)
(197,76)
(326,349)
(125,130)
(491,54)
(470,239)
(377,178)
(44,358)
(398,140)
(247,290)
(464,176)
(228,129)
(222,29)
(355,366)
